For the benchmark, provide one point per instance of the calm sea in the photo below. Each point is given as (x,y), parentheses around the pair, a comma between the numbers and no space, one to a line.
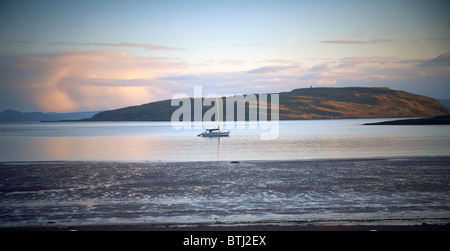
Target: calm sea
(159,141)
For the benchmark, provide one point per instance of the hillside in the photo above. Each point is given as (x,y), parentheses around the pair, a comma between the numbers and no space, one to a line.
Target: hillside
(356,102)
(310,103)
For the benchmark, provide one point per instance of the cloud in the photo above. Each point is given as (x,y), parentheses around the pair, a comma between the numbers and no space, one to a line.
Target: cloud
(373,41)
(227,61)
(270,69)
(369,71)
(353,61)
(443,39)
(441,61)
(412,61)
(86,80)
(342,42)
(281,61)
(181,78)
(319,68)
(311,76)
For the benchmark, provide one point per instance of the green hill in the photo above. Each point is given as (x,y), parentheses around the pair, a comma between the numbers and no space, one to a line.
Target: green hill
(309,103)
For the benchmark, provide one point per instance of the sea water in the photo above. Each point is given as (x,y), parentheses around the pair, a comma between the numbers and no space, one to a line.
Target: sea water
(159,141)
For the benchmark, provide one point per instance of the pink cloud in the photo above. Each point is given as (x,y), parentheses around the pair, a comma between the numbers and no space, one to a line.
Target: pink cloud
(85,80)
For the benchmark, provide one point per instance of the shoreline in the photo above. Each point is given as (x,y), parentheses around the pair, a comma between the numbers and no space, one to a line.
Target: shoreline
(231,161)
(437,120)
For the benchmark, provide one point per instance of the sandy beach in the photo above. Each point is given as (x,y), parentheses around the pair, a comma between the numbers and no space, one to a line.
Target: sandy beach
(393,194)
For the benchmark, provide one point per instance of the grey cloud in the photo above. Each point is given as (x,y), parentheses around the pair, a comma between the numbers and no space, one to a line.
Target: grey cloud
(373,41)
(270,69)
(441,61)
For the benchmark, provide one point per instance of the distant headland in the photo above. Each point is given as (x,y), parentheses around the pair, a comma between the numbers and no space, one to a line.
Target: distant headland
(298,104)
(438,120)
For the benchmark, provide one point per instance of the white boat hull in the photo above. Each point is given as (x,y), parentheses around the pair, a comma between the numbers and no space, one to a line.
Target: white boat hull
(214,133)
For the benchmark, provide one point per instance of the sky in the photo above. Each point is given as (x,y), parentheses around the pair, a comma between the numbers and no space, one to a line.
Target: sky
(68,56)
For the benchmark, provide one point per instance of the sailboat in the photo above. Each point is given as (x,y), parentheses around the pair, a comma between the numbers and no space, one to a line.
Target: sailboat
(215,132)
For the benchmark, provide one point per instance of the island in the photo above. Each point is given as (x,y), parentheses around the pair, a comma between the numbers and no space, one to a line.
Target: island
(308,103)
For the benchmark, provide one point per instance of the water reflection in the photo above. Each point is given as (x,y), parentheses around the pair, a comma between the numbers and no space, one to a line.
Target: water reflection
(121,149)
(218,148)
(159,142)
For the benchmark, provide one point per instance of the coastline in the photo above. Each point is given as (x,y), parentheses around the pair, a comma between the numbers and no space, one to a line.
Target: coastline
(189,162)
(271,206)
(438,120)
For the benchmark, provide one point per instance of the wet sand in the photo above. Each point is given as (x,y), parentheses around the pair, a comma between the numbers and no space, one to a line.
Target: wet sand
(384,194)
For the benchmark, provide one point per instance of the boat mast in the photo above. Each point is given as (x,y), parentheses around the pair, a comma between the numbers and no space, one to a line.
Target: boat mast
(218,112)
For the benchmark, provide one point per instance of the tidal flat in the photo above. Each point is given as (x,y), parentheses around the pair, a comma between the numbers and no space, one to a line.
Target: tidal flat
(260,195)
